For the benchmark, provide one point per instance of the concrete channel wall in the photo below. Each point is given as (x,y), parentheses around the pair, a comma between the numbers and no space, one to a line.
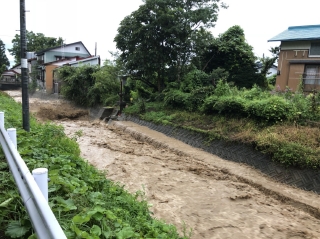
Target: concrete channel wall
(306,179)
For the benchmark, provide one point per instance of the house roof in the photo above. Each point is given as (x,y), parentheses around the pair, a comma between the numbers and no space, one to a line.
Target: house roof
(10,73)
(52,48)
(298,33)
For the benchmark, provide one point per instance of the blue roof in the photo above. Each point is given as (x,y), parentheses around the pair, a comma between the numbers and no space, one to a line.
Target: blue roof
(296,33)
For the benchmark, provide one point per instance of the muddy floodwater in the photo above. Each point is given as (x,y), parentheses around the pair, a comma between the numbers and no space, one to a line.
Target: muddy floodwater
(201,194)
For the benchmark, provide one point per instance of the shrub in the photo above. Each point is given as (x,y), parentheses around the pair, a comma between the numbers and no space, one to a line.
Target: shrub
(209,102)
(222,88)
(193,80)
(176,99)
(273,109)
(77,82)
(196,98)
(233,105)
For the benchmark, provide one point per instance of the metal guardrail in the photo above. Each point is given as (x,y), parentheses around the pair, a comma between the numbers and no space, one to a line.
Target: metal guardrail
(43,220)
(13,82)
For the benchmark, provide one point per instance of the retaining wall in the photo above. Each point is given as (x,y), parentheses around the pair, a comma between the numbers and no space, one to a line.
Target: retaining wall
(306,179)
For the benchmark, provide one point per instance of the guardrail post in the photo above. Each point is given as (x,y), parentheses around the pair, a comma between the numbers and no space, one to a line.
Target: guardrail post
(2,119)
(40,175)
(13,136)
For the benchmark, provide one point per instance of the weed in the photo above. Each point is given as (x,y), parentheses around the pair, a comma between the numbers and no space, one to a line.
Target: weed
(77,135)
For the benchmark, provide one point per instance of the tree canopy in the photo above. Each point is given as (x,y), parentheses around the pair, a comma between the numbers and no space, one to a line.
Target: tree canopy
(156,41)
(4,62)
(231,52)
(35,42)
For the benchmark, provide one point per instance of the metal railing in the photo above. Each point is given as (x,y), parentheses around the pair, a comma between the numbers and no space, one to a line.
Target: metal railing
(43,220)
(13,81)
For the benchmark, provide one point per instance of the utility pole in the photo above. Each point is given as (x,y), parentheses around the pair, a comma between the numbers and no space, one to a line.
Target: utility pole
(24,68)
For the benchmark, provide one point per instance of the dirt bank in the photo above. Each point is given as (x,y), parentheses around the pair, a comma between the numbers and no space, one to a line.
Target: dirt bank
(187,187)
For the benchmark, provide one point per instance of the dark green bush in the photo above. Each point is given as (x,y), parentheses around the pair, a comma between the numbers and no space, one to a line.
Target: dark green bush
(77,82)
(194,79)
(196,98)
(209,102)
(273,109)
(176,99)
(233,105)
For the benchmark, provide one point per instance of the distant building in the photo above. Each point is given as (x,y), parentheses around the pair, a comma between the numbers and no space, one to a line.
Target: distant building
(47,60)
(51,58)
(272,71)
(299,58)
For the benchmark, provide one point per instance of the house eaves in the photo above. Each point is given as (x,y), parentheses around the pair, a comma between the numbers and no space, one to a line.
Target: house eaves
(298,33)
(39,53)
(63,60)
(84,60)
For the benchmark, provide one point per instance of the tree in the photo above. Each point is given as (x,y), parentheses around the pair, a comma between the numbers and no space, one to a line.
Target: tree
(157,38)
(107,84)
(267,63)
(35,42)
(231,52)
(4,62)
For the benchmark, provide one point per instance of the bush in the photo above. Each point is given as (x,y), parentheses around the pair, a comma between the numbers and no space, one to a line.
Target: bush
(233,105)
(193,80)
(209,102)
(273,109)
(176,99)
(290,154)
(77,82)
(195,99)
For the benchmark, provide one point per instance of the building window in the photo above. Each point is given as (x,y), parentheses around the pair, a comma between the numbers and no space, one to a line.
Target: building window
(315,49)
(77,48)
(311,77)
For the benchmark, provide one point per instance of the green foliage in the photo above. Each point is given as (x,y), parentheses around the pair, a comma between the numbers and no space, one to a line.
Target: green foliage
(86,204)
(218,74)
(274,109)
(290,154)
(176,99)
(261,105)
(231,52)
(32,86)
(77,82)
(193,80)
(272,80)
(4,61)
(91,85)
(158,117)
(294,148)
(106,86)
(197,97)
(158,41)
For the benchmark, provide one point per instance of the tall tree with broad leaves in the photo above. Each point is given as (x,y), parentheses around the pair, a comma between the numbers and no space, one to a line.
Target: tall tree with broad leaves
(231,52)
(4,62)
(35,42)
(158,37)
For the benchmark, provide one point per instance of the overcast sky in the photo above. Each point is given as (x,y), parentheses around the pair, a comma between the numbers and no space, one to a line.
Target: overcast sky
(96,21)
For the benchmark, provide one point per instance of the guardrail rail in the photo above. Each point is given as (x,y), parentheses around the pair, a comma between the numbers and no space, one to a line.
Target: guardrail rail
(43,220)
